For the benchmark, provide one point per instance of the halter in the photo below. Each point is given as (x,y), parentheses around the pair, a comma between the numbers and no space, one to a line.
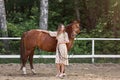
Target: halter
(73,33)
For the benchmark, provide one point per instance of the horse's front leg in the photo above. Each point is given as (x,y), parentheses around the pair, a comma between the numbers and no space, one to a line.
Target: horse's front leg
(31,62)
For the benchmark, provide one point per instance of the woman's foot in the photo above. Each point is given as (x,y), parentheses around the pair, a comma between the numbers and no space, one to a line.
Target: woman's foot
(64,74)
(58,75)
(61,75)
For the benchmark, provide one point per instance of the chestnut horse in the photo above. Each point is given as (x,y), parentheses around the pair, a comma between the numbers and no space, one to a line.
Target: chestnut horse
(38,38)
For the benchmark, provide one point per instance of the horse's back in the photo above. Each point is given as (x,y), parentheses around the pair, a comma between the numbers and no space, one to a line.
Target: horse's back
(37,38)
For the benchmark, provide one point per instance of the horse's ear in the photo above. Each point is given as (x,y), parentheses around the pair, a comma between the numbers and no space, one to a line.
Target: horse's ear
(76,21)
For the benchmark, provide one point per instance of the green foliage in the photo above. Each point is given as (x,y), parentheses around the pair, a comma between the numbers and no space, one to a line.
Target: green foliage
(99,19)
(16,30)
(81,47)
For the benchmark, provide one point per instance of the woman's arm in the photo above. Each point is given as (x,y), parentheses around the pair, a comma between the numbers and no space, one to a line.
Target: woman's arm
(66,38)
(51,33)
(45,31)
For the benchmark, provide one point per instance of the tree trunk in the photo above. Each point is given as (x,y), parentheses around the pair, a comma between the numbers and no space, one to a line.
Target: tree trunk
(77,9)
(91,15)
(106,6)
(3,26)
(116,25)
(44,15)
(116,19)
(88,19)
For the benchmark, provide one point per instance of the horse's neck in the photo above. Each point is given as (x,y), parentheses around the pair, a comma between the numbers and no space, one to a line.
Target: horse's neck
(69,31)
(70,44)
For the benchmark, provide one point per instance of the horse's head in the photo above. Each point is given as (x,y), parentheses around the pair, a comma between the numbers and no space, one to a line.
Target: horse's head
(75,28)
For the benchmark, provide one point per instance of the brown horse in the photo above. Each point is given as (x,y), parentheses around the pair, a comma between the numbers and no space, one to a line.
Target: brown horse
(38,38)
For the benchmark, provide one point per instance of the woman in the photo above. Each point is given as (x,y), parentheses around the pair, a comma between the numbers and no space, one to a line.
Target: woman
(61,49)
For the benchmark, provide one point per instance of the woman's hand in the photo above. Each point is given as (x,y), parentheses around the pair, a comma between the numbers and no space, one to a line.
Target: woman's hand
(45,31)
(64,42)
(67,41)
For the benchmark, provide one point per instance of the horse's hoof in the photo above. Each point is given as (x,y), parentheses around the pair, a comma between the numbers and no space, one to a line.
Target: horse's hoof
(33,71)
(24,70)
(24,73)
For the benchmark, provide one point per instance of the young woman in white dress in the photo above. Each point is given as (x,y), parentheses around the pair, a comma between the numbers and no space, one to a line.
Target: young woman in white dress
(61,49)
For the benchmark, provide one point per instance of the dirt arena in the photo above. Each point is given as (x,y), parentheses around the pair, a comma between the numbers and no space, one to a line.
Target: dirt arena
(74,72)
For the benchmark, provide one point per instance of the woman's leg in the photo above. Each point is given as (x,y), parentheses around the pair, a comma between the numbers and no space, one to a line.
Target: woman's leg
(62,68)
(62,71)
(58,67)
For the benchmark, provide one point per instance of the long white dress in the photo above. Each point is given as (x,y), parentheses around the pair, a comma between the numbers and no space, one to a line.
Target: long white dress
(61,49)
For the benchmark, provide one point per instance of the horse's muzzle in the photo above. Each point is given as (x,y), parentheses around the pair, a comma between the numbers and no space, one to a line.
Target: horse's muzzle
(78,33)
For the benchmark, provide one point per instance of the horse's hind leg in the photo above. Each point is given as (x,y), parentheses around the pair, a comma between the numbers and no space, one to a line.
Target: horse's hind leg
(24,60)
(23,64)
(23,68)
(31,62)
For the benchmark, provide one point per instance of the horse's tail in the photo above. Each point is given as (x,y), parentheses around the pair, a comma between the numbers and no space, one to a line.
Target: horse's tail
(22,49)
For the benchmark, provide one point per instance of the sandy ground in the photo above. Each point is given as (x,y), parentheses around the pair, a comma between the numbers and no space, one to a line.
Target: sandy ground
(74,72)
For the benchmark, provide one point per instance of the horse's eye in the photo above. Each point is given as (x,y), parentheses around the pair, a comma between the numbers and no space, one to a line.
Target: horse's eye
(77,26)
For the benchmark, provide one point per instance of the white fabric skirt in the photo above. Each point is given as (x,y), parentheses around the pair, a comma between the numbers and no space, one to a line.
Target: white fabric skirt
(62,54)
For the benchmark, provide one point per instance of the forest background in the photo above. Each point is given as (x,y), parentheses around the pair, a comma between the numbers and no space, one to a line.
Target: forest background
(99,19)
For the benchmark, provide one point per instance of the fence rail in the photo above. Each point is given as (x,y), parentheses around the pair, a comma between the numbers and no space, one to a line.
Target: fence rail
(93,56)
(70,56)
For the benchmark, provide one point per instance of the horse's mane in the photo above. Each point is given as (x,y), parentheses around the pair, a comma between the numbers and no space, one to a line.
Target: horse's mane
(68,29)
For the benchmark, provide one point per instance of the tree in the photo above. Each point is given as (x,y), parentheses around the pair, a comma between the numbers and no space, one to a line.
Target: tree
(76,2)
(3,26)
(116,18)
(44,15)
